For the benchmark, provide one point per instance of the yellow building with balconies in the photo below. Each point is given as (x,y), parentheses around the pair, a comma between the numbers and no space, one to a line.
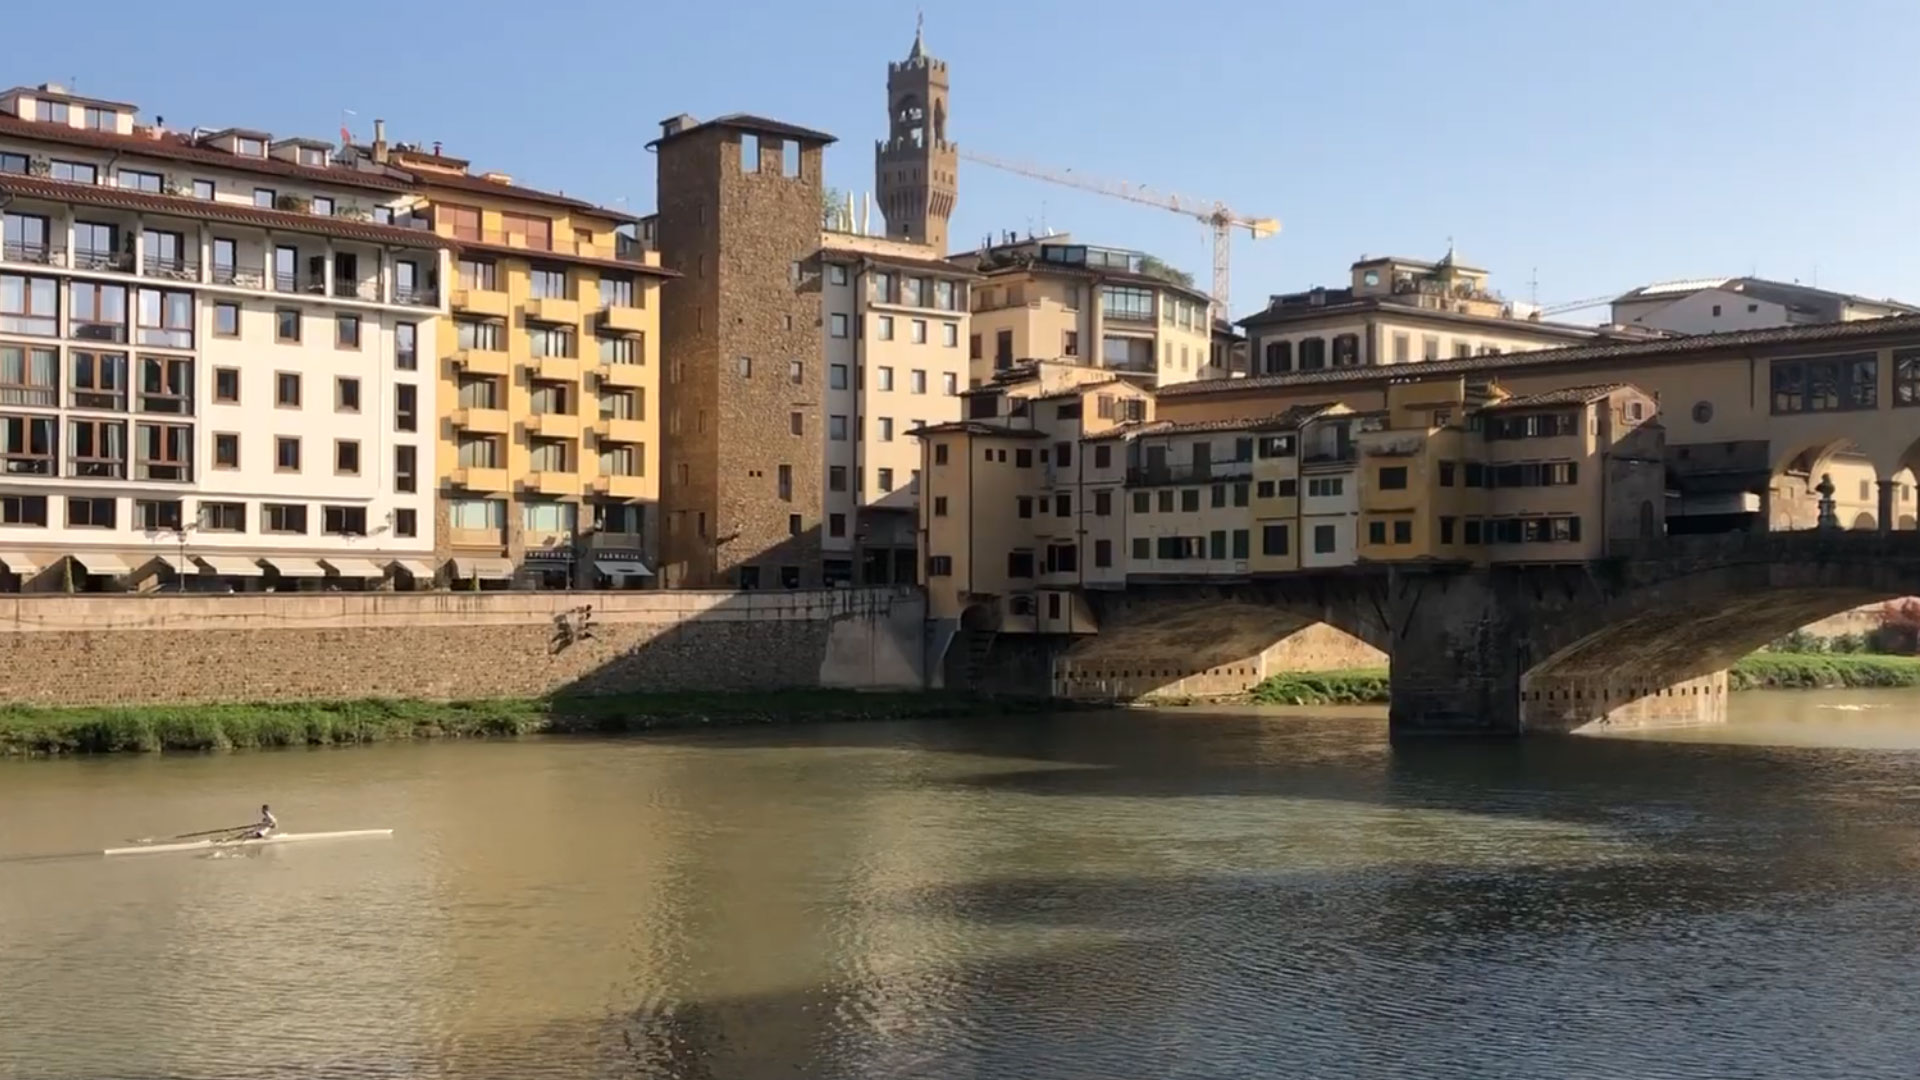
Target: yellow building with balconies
(548,449)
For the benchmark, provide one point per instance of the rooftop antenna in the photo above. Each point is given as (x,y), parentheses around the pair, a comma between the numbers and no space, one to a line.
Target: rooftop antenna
(1533,288)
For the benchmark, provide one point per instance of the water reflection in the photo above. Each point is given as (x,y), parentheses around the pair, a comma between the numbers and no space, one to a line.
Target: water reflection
(1131,894)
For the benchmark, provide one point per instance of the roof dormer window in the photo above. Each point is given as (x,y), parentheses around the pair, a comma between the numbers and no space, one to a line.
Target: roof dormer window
(98,119)
(313,157)
(55,112)
(247,146)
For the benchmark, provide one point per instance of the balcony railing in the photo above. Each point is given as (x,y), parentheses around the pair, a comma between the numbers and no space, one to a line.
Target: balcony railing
(286,281)
(1170,475)
(97,331)
(172,471)
(415,296)
(93,259)
(98,468)
(27,464)
(37,254)
(241,275)
(356,290)
(171,266)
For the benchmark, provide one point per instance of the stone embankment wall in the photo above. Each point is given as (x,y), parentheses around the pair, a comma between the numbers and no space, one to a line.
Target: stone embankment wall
(89,650)
(1204,668)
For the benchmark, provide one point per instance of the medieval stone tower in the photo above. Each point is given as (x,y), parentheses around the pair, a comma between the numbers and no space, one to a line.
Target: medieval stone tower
(916,168)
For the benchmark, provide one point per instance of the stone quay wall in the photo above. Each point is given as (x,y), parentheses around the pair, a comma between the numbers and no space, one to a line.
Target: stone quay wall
(95,650)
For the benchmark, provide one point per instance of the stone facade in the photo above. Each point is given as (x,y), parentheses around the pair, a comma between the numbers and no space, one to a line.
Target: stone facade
(742,329)
(94,650)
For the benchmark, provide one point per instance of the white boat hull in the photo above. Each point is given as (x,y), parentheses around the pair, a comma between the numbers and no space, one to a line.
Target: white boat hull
(276,838)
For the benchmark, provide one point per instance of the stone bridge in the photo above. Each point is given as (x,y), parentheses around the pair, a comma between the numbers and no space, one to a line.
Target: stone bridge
(1642,637)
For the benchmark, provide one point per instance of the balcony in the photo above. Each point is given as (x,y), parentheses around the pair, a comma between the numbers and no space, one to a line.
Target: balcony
(415,296)
(621,431)
(476,478)
(622,487)
(484,421)
(1168,476)
(556,368)
(482,302)
(35,254)
(483,361)
(170,267)
(96,259)
(356,290)
(554,425)
(623,376)
(623,320)
(553,309)
(240,275)
(551,483)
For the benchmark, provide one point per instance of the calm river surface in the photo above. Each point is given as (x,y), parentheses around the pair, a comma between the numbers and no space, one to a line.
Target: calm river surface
(1119,895)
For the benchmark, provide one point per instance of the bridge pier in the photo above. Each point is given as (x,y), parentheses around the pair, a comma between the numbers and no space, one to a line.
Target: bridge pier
(1456,658)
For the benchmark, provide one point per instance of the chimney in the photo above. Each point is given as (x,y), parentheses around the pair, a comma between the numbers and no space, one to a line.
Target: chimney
(675,125)
(379,142)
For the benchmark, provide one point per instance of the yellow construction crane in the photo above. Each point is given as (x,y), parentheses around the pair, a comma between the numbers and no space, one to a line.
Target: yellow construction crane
(1216,214)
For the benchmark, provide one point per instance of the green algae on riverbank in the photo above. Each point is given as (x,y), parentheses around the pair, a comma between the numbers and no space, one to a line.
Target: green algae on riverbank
(1760,671)
(149,728)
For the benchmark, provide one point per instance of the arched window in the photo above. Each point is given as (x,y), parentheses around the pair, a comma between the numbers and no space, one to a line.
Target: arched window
(1313,353)
(1279,357)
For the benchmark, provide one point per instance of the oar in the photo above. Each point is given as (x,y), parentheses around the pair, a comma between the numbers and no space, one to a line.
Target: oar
(191,835)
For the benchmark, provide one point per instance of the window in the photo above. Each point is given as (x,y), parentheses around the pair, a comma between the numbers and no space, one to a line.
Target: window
(1164,501)
(344,520)
(1218,496)
(1023,506)
(973,346)
(223,517)
(226,451)
(1189,500)
(286,325)
(917,332)
(837,325)
(13,163)
(1063,505)
(166,385)
(286,454)
(226,320)
(1103,503)
(99,312)
(883,378)
(743,366)
(1376,532)
(346,457)
(481,275)
(526,230)
(796,423)
(91,513)
(939,565)
(1313,354)
(1393,478)
(837,376)
(1323,542)
(1020,564)
(1273,540)
(557,341)
(283,518)
(99,380)
(883,480)
(1446,530)
(1446,474)
(940,454)
(55,112)
(406,407)
(265,198)
(101,119)
(836,273)
(883,328)
(548,284)
(476,335)
(155,515)
(1462,349)
(1403,532)
(836,478)
(406,469)
(796,372)
(73,172)
(203,190)
(1241,539)
(346,331)
(783,485)
(917,382)
(98,449)
(286,390)
(1325,488)
(1831,384)
(29,305)
(1126,302)
(29,376)
(886,428)
(837,428)
(1240,493)
(616,291)
(1063,558)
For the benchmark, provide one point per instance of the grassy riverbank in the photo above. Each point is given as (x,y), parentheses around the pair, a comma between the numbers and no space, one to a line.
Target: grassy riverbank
(45,731)
(1761,671)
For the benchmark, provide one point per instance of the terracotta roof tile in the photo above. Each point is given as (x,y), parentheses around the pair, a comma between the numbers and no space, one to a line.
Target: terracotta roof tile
(1659,349)
(175,148)
(35,187)
(567,257)
(977,427)
(1566,395)
(429,180)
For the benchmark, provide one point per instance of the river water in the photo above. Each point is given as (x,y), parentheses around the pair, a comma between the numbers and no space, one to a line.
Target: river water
(1111,895)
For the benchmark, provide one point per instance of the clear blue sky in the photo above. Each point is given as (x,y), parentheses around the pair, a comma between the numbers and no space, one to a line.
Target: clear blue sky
(1605,145)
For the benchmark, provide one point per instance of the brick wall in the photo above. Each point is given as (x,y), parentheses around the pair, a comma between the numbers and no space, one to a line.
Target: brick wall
(148,649)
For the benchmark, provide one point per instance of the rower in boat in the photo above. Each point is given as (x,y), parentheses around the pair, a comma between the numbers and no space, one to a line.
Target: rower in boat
(267,825)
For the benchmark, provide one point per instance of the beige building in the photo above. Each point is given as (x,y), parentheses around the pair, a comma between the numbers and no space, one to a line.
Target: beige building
(894,325)
(1716,305)
(1056,300)
(1396,311)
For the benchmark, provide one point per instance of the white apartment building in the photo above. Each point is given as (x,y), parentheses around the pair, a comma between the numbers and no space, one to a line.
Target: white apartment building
(211,358)
(894,322)
(1329,491)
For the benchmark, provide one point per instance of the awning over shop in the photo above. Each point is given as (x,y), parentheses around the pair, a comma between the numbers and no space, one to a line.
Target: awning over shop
(353,568)
(99,562)
(490,569)
(231,565)
(24,565)
(622,568)
(417,569)
(178,564)
(290,566)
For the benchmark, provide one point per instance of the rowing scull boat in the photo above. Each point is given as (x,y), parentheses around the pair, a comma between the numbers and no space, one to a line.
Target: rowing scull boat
(276,838)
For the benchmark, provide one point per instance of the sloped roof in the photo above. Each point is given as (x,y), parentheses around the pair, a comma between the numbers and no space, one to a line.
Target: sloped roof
(977,427)
(749,122)
(1566,395)
(35,187)
(174,147)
